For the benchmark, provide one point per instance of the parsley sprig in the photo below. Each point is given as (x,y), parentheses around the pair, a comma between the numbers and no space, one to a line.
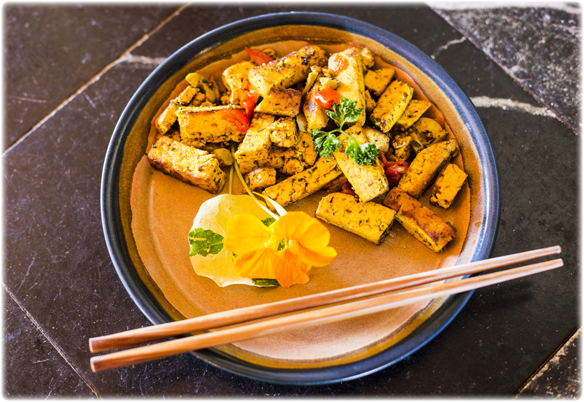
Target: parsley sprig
(327,142)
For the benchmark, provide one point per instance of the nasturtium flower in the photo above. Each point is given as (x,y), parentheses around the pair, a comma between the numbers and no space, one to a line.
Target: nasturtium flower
(285,251)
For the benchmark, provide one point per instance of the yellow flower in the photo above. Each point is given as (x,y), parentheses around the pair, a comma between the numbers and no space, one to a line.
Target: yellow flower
(285,251)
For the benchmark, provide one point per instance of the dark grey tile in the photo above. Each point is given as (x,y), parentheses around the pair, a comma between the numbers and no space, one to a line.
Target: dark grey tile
(50,51)
(27,350)
(539,47)
(58,267)
(561,376)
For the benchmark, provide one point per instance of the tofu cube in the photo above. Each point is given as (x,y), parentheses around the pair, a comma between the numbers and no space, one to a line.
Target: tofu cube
(191,165)
(391,105)
(426,166)
(235,80)
(281,102)
(413,112)
(305,147)
(205,124)
(419,221)
(168,116)
(286,71)
(369,220)
(447,185)
(304,183)
(368,182)
(261,178)
(348,65)
(284,133)
(256,144)
(377,80)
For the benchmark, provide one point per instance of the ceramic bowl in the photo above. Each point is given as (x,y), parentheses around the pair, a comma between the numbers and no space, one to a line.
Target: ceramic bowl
(129,142)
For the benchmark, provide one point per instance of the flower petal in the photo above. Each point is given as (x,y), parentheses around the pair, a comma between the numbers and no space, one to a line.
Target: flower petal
(290,269)
(318,257)
(303,228)
(245,233)
(257,263)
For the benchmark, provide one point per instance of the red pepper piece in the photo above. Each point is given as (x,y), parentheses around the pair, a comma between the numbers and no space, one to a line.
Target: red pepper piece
(258,56)
(236,117)
(248,103)
(348,189)
(327,97)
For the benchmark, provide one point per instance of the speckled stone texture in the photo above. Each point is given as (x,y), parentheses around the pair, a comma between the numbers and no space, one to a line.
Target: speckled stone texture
(539,47)
(51,51)
(59,282)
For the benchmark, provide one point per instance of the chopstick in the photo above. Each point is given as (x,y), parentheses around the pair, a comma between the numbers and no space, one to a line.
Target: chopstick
(321,316)
(148,334)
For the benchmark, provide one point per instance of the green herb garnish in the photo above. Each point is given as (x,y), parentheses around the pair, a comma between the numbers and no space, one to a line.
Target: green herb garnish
(327,142)
(265,283)
(204,242)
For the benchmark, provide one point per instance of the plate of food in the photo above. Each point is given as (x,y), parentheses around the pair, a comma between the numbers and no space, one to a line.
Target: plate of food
(288,155)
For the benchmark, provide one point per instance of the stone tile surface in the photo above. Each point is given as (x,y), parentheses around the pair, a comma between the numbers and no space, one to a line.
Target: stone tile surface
(561,376)
(32,366)
(539,47)
(58,268)
(52,50)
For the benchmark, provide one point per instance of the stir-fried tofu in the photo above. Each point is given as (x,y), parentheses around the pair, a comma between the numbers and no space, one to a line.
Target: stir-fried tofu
(205,124)
(191,165)
(413,112)
(391,105)
(368,58)
(286,71)
(377,80)
(369,220)
(349,72)
(426,166)
(235,80)
(368,182)
(378,138)
(256,144)
(261,178)
(281,102)
(316,117)
(283,132)
(419,221)
(402,146)
(447,185)
(305,147)
(369,102)
(304,183)
(168,116)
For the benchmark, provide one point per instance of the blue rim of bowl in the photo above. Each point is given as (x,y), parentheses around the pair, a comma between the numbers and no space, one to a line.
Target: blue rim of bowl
(326,375)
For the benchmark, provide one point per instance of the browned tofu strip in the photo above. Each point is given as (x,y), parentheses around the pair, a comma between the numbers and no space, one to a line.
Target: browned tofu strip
(369,220)
(280,102)
(426,166)
(368,182)
(419,221)
(350,77)
(304,183)
(391,105)
(188,164)
(287,70)
(168,116)
(204,124)
(447,185)
(316,117)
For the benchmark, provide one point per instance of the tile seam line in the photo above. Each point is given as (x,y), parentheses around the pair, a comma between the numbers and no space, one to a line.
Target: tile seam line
(533,95)
(96,77)
(60,351)
(546,361)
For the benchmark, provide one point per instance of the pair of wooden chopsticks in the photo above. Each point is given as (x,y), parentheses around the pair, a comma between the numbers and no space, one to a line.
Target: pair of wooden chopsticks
(404,290)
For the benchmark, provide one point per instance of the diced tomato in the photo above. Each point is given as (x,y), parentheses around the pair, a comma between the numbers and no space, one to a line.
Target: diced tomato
(394,170)
(327,97)
(236,117)
(248,103)
(258,56)
(348,189)
(339,63)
